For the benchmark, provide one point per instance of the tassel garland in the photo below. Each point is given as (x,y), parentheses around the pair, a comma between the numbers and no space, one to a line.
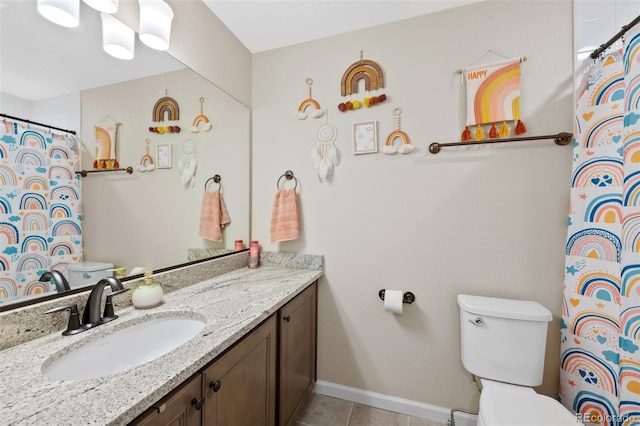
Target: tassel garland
(466,134)
(504,130)
(494,133)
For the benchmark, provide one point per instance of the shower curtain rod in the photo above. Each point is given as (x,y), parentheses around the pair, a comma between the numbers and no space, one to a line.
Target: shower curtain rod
(73,132)
(605,46)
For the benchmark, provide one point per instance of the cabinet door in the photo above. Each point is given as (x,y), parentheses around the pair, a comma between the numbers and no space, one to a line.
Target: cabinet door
(182,407)
(297,354)
(240,387)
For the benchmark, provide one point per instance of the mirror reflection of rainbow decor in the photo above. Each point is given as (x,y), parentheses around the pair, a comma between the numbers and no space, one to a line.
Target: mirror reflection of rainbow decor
(493,97)
(371,74)
(168,107)
(300,114)
(40,213)
(105,151)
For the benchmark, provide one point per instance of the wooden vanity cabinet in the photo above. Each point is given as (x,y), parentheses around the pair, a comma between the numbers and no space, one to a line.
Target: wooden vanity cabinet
(240,387)
(182,407)
(297,355)
(264,379)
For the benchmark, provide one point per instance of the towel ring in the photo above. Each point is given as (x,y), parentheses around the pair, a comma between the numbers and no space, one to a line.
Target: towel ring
(216,179)
(288,175)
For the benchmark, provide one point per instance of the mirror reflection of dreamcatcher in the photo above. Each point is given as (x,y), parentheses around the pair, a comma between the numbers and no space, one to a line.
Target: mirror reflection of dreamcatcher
(325,154)
(187,164)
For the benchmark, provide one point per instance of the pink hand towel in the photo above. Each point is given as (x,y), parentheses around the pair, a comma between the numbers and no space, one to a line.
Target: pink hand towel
(213,216)
(285,221)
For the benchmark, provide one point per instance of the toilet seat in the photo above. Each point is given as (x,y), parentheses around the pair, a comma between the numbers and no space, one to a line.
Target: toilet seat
(511,405)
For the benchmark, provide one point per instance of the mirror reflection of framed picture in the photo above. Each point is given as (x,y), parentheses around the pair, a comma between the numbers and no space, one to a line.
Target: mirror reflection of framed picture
(164,156)
(365,138)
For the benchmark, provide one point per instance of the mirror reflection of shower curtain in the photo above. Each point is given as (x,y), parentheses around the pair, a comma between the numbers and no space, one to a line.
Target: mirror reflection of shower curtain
(40,215)
(600,357)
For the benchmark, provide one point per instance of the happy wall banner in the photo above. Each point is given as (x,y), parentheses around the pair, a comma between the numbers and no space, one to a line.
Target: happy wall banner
(493,97)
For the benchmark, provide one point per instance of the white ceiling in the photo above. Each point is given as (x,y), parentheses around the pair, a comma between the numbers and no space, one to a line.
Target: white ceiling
(266,24)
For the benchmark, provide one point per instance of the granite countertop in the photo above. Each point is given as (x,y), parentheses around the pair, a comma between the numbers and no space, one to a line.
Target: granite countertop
(233,304)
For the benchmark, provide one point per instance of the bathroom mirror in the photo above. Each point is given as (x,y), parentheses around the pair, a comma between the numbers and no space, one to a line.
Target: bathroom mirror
(148,219)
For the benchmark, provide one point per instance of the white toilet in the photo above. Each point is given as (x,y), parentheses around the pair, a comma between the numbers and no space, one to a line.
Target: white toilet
(503,344)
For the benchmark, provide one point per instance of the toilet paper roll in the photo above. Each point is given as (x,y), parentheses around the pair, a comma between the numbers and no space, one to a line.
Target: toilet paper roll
(393,301)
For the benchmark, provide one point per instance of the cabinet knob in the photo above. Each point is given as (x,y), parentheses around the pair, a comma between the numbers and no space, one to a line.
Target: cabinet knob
(287,318)
(215,386)
(197,403)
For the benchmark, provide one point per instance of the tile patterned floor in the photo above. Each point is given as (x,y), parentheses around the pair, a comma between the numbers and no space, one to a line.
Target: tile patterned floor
(324,410)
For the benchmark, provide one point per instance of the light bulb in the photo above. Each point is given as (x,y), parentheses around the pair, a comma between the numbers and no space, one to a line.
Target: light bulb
(104,6)
(155,23)
(118,40)
(62,12)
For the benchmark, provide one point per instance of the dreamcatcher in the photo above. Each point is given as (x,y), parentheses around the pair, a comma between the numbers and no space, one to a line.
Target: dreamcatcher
(325,154)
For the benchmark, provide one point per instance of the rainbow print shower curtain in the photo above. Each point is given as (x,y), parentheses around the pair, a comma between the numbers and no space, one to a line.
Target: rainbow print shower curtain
(40,220)
(600,357)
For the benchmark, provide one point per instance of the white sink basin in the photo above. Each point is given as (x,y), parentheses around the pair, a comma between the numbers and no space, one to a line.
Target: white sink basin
(123,349)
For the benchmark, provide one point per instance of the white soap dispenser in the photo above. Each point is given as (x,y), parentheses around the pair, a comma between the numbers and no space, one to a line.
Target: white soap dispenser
(147,294)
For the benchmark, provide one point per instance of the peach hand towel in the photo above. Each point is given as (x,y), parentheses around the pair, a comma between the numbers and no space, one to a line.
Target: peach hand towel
(285,220)
(213,216)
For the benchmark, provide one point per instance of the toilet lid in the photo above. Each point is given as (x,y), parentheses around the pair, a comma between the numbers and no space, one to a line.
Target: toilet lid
(501,407)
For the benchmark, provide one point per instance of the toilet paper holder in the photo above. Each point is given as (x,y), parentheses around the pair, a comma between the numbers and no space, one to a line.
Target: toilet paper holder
(407,297)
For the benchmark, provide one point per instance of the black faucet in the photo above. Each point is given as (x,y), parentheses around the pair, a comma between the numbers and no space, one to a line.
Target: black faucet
(58,279)
(91,316)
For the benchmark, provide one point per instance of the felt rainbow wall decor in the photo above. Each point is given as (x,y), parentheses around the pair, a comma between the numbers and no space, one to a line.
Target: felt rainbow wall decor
(309,102)
(406,146)
(364,69)
(371,74)
(201,120)
(166,106)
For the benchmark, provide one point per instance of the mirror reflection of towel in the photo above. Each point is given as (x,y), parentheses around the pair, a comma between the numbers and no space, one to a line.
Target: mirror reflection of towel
(213,215)
(285,220)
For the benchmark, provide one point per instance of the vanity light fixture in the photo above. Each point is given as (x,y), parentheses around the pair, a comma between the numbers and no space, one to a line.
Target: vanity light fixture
(118,40)
(104,6)
(62,12)
(155,23)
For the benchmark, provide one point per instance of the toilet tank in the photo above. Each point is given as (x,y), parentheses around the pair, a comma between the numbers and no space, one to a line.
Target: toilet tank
(88,273)
(503,339)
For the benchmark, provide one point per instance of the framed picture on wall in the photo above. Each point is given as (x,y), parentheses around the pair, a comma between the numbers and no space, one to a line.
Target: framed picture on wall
(365,137)
(164,156)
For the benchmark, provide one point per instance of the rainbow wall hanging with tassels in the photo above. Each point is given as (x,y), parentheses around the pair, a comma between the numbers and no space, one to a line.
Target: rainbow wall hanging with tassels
(363,70)
(493,97)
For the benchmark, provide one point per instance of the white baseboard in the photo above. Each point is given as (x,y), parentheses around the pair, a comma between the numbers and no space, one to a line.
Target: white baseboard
(392,403)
